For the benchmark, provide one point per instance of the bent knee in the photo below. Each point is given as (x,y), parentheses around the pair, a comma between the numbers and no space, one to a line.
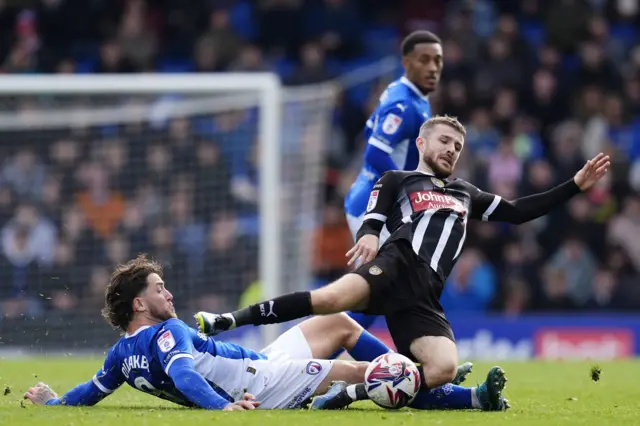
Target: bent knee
(440,374)
(356,371)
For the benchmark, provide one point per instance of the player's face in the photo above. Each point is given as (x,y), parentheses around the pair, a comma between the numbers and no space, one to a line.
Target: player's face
(440,149)
(157,300)
(423,66)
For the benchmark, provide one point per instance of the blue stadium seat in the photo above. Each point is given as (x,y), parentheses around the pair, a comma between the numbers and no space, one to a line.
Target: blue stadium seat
(170,65)
(284,67)
(241,16)
(381,41)
(626,33)
(570,62)
(86,65)
(533,32)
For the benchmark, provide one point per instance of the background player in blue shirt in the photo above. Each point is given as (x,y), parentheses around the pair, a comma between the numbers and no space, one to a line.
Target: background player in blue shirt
(161,356)
(393,127)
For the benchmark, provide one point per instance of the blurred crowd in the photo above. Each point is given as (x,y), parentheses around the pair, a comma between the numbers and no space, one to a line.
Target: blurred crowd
(542,85)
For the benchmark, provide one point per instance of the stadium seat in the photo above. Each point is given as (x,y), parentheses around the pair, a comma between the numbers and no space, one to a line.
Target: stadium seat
(170,65)
(533,32)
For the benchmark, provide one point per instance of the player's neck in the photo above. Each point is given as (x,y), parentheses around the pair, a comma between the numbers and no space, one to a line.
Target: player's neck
(425,169)
(141,321)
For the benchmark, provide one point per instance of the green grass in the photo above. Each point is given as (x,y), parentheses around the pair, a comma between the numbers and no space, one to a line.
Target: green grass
(539,393)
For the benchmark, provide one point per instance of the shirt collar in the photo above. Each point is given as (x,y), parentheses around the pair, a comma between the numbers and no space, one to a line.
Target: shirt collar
(404,80)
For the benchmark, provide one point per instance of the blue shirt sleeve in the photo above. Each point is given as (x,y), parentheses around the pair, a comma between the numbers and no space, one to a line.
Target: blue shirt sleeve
(107,379)
(193,386)
(393,124)
(173,342)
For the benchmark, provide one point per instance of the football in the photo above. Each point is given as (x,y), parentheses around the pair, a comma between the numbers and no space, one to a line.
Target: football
(392,381)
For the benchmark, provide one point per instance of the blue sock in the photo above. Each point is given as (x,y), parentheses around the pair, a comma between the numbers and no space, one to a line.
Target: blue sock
(368,347)
(365,322)
(444,397)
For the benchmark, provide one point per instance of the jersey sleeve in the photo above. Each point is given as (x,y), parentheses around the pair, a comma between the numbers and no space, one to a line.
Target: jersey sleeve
(174,341)
(381,200)
(483,204)
(109,377)
(492,207)
(393,124)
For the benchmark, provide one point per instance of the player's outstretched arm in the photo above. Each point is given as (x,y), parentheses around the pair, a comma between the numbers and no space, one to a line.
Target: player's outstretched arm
(107,379)
(492,207)
(84,394)
(193,386)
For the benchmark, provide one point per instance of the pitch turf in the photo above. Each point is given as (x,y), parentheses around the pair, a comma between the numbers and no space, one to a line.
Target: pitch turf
(560,393)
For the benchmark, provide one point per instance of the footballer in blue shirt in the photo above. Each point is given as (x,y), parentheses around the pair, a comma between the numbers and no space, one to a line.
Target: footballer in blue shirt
(160,355)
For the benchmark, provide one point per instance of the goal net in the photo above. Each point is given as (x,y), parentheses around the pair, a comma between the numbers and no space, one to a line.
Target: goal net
(215,176)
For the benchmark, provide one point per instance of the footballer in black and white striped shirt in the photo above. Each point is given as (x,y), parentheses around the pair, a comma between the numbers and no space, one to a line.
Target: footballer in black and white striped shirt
(426,213)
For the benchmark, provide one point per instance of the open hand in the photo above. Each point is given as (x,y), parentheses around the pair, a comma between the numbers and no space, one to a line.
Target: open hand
(592,172)
(40,394)
(242,405)
(366,248)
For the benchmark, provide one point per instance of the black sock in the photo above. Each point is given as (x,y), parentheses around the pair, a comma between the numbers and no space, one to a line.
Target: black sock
(281,309)
(357,392)
(423,380)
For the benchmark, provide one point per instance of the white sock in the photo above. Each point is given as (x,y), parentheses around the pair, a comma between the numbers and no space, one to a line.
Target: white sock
(351,391)
(475,402)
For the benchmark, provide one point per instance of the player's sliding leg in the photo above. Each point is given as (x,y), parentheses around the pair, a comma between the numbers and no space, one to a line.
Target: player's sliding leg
(326,333)
(487,396)
(351,292)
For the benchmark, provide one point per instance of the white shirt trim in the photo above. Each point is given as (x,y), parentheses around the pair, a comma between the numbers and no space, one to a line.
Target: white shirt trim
(380,145)
(178,356)
(491,208)
(404,80)
(375,216)
(100,386)
(144,327)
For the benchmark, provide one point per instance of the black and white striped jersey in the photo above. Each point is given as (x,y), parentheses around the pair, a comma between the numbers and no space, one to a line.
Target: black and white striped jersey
(432,213)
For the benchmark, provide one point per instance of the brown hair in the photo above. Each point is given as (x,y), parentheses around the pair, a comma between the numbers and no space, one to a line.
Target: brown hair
(442,119)
(126,283)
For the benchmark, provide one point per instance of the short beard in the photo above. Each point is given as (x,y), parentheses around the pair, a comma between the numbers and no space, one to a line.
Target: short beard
(163,315)
(435,167)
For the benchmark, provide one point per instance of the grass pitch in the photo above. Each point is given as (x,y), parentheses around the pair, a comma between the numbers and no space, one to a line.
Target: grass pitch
(559,393)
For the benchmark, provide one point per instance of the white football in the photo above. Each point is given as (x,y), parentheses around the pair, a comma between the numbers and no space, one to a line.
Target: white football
(392,380)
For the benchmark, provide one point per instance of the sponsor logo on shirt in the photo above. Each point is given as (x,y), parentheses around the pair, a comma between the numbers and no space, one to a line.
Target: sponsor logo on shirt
(391,124)
(166,342)
(432,200)
(373,200)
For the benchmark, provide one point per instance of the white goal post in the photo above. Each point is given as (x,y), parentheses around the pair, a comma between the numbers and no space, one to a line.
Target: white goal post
(240,89)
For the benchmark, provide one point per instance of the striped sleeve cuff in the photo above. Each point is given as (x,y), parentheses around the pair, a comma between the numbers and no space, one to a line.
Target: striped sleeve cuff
(178,356)
(494,204)
(380,145)
(101,386)
(375,216)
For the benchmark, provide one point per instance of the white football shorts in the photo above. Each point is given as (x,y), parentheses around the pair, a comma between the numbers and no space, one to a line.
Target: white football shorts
(290,375)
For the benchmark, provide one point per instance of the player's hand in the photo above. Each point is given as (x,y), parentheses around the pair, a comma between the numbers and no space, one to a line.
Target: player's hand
(366,248)
(40,394)
(249,397)
(592,172)
(241,406)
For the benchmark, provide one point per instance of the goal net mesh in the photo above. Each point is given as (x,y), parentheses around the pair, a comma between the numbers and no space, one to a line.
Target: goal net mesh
(87,182)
